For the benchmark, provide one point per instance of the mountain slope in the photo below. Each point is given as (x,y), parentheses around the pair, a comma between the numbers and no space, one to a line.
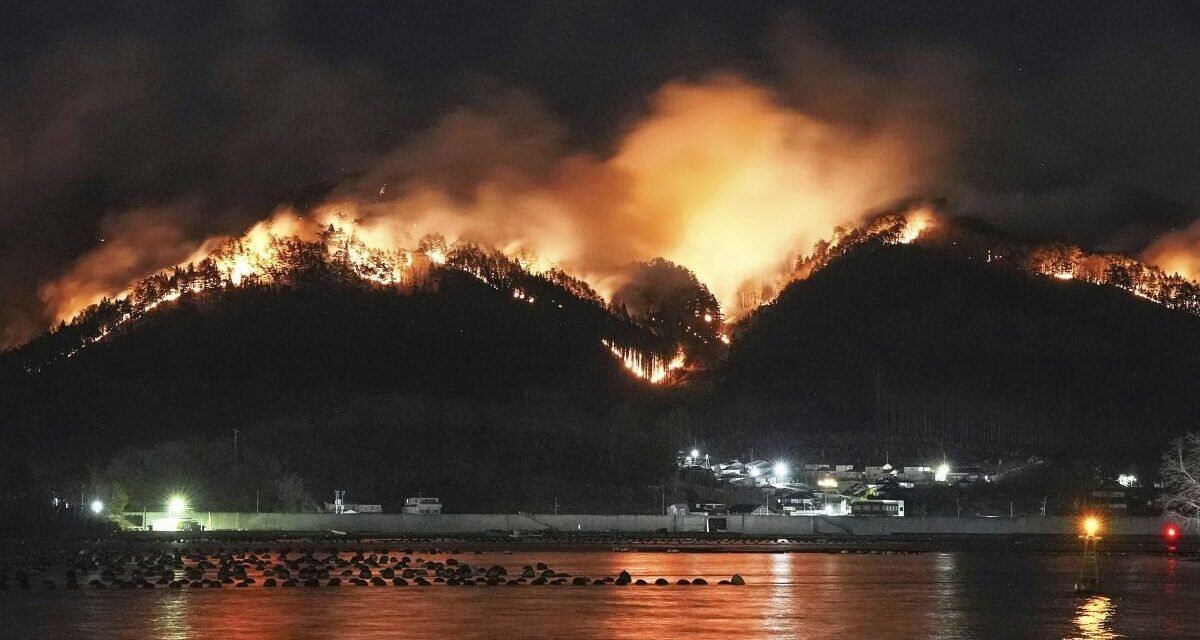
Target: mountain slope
(905,340)
(440,389)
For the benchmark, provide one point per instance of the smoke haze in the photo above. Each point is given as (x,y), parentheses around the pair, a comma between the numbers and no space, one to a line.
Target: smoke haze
(130,141)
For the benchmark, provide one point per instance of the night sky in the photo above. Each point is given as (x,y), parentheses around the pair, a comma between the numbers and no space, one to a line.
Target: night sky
(1077,124)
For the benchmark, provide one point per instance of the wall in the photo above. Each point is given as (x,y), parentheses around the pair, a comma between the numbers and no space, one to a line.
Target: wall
(444,523)
(873,526)
(750,525)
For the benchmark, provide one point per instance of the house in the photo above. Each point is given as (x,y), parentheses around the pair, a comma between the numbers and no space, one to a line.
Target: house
(1111,496)
(893,508)
(920,474)
(967,474)
(798,503)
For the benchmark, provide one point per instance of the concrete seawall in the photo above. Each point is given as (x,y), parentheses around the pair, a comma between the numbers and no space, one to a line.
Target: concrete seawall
(380,523)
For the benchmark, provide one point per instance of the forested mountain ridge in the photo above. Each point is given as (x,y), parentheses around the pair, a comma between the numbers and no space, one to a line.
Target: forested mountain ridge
(914,341)
(471,372)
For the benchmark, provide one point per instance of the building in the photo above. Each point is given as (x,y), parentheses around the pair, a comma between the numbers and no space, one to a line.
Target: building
(1111,496)
(424,506)
(967,474)
(893,508)
(353,507)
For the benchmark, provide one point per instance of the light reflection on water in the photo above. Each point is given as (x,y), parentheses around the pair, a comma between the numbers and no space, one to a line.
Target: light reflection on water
(1093,619)
(800,595)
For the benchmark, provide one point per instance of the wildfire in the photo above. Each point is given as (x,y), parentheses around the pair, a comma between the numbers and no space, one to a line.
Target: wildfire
(650,368)
(273,251)
(916,223)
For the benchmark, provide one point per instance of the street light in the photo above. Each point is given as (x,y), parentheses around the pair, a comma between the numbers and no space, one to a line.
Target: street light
(781,470)
(942,473)
(97,507)
(1091,526)
(176,505)
(695,454)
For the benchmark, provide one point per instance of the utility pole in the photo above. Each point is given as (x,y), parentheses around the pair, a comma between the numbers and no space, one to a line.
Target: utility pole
(235,439)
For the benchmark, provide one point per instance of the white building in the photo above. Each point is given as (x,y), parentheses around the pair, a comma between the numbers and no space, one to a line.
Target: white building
(424,506)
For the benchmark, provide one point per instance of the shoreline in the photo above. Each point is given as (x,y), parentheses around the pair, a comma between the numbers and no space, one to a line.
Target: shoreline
(896,544)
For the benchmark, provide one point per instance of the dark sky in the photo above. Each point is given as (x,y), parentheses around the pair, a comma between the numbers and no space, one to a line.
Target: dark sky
(1073,123)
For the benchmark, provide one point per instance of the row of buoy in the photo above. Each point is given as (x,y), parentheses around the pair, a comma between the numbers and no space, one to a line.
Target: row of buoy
(192,570)
(736,580)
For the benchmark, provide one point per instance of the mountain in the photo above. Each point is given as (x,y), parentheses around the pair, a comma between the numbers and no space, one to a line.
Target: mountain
(451,385)
(456,372)
(909,341)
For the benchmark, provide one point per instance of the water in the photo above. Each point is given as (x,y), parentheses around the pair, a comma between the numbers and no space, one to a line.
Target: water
(789,595)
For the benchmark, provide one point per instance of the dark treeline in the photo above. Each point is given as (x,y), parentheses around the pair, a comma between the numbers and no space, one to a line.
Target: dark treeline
(903,342)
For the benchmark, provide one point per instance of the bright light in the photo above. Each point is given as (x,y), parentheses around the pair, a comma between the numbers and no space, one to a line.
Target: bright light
(1091,525)
(754,472)
(1171,532)
(176,506)
(942,473)
(781,470)
(97,507)
(165,524)
(1127,480)
(695,453)
(827,483)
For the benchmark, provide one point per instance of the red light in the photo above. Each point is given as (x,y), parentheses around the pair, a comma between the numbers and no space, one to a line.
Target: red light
(1172,533)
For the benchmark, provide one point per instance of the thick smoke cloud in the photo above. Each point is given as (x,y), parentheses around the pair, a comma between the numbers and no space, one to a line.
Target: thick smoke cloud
(1177,252)
(102,126)
(717,175)
(136,242)
(726,147)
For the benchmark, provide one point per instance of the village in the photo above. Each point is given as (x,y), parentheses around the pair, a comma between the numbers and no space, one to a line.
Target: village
(729,486)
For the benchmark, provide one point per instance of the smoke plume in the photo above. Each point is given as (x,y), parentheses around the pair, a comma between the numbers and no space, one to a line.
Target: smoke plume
(1177,252)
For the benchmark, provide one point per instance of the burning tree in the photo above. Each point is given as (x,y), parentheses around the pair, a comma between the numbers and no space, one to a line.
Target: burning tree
(1181,478)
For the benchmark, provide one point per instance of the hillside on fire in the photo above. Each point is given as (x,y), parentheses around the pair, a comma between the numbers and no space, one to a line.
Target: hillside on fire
(388,390)
(450,367)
